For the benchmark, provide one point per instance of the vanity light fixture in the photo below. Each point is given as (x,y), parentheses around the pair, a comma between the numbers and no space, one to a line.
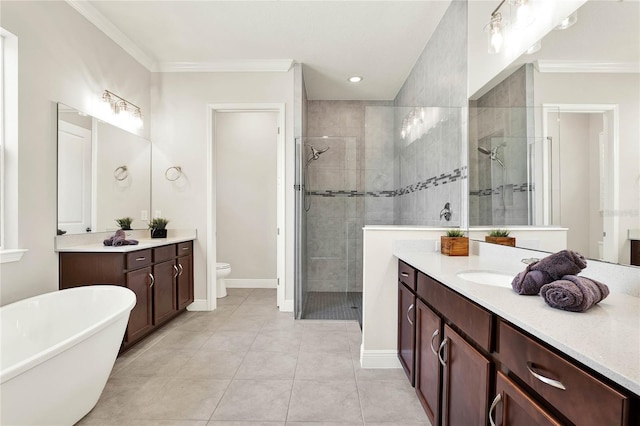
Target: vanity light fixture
(521,17)
(495,28)
(125,112)
(355,79)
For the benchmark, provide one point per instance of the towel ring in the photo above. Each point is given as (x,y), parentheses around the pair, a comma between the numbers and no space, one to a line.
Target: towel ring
(178,173)
(121,173)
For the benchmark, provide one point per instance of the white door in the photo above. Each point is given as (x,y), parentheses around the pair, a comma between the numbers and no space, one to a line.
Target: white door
(74,178)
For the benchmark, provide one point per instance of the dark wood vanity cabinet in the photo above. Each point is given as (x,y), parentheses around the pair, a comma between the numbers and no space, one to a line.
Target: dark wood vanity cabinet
(406,330)
(161,278)
(473,368)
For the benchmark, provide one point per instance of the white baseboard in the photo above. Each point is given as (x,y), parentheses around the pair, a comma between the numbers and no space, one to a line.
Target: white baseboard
(379,359)
(250,283)
(198,305)
(287,306)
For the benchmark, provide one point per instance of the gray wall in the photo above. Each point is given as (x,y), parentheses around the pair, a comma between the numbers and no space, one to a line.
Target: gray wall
(439,79)
(501,119)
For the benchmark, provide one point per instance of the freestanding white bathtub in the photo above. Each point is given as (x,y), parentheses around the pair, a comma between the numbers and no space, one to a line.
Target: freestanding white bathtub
(57,351)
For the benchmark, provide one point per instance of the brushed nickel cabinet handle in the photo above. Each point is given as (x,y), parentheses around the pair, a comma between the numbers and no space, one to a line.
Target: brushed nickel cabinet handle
(181,269)
(140,259)
(433,336)
(494,404)
(551,382)
(153,280)
(175,268)
(404,274)
(409,310)
(185,248)
(442,346)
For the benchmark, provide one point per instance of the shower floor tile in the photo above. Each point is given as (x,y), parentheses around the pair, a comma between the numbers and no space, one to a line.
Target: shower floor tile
(333,306)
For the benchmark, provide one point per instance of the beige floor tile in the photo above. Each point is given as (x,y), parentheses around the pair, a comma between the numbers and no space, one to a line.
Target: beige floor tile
(212,365)
(324,401)
(324,341)
(157,362)
(322,325)
(324,366)
(267,365)
(89,421)
(184,399)
(224,423)
(169,423)
(425,423)
(230,341)
(260,297)
(287,341)
(324,424)
(203,323)
(284,321)
(230,300)
(255,400)
(179,339)
(240,292)
(378,373)
(122,396)
(243,323)
(390,401)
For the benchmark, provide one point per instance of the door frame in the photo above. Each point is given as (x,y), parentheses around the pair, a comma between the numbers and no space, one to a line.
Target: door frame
(612,165)
(280,194)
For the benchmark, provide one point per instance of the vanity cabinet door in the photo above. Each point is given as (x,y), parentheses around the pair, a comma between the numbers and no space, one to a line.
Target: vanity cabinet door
(513,407)
(184,281)
(428,338)
(465,399)
(406,330)
(164,291)
(140,319)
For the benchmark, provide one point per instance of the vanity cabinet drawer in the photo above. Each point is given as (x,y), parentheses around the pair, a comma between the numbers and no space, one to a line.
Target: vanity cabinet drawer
(160,254)
(580,397)
(185,248)
(468,317)
(407,275)
(138,259)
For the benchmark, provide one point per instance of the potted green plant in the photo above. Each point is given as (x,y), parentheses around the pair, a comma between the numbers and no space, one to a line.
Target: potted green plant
(500,236)
(455,243)
(124,223)
(158,227)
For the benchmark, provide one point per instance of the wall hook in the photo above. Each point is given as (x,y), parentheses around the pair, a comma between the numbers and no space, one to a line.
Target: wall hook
(175,175)
(121,173)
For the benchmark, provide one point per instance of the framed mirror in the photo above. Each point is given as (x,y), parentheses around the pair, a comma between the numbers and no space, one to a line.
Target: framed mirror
(563,123)
(104,174)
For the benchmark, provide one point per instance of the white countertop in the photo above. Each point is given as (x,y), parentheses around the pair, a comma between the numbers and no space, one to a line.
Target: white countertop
(144,243)
(605,338)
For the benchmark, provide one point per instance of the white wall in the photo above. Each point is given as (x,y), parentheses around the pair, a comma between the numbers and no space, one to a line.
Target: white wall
(179,135)
(62,58)
(620,89)
(246,193)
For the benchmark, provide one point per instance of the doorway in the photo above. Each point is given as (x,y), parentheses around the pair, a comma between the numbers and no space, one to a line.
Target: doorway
(246,201)
(585,189)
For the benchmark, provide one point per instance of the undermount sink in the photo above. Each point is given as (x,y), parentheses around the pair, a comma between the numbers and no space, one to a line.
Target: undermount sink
(493,278)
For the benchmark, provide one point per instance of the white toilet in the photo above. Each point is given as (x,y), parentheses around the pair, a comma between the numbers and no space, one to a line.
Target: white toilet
(222,271)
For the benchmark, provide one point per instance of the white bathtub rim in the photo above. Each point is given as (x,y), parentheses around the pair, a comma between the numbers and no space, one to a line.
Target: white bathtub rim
(30,362)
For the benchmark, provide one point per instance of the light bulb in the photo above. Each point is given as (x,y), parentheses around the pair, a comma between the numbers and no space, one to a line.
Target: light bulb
(495,33)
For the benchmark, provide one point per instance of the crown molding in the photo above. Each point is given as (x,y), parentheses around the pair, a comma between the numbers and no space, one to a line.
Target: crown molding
(544,65)
(92,14)
(257,65)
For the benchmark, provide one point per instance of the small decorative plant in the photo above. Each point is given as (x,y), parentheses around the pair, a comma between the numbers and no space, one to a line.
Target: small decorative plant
(158,227)
(455,233)
(499,233)
(455,243)
(500,236)
(124,223)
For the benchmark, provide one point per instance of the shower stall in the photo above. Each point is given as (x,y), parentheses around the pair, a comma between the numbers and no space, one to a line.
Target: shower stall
(326,236)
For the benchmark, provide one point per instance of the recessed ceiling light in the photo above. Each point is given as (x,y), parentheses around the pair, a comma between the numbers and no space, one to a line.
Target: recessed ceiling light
(355,79)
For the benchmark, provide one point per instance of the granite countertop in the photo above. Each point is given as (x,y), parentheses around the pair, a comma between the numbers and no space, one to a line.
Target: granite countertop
(605,338)
(143,243)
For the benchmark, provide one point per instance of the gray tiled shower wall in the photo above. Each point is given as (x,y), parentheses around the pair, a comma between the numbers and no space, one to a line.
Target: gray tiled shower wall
(502,119)
(396,182)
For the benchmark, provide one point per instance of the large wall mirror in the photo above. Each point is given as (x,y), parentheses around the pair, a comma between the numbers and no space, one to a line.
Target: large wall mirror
(557,142)
(104,173)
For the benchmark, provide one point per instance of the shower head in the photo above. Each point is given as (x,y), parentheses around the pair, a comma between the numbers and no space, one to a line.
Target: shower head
(315,153)
(484,150)
(493,154)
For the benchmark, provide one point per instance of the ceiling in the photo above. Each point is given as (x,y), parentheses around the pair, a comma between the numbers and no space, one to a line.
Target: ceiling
(378,40)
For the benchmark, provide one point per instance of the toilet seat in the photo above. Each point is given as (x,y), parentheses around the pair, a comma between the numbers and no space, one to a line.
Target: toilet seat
(222,266)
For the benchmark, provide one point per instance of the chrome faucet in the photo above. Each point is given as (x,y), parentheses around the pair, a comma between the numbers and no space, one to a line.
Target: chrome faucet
(445,212)
(530,260)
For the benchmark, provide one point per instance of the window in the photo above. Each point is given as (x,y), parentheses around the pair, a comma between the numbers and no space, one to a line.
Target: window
(9,251)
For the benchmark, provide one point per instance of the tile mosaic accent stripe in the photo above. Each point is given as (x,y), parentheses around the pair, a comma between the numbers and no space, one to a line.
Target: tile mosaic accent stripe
(522,187)
(443,179)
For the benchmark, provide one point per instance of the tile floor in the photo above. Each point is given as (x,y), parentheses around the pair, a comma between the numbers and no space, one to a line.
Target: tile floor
(246,363)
